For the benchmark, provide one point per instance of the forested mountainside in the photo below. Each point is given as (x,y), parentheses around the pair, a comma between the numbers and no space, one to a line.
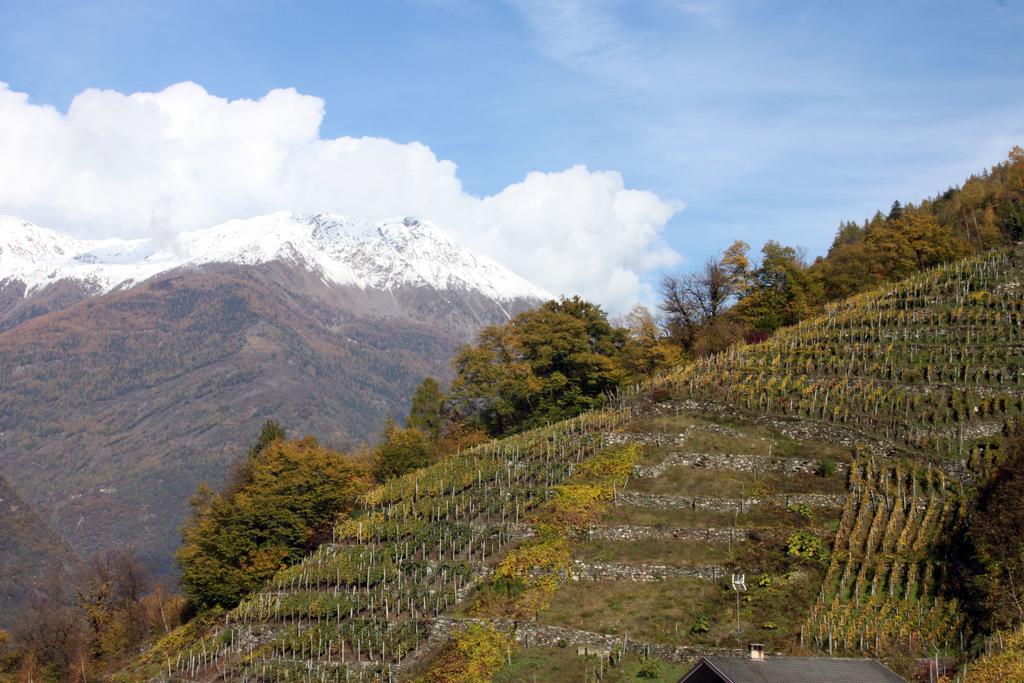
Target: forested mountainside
(830,465)
(150,390)
(32,555)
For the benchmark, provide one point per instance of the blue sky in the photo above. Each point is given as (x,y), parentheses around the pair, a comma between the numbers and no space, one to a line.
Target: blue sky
(766,119)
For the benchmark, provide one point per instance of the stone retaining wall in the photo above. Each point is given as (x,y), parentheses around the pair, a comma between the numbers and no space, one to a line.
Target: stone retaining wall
(656,502)
(645,438)
(631,532)
(640,573)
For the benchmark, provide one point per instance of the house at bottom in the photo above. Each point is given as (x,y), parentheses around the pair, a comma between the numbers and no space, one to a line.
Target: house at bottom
(760,669)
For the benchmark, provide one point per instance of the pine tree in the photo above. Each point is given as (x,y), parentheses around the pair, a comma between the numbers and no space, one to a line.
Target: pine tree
(271,431)
(425,413)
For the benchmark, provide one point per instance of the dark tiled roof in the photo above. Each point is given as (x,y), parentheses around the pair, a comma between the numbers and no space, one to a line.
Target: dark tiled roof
(800,670)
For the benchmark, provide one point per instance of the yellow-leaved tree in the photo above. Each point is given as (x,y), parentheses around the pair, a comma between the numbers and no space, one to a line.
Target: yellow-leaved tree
(290,494)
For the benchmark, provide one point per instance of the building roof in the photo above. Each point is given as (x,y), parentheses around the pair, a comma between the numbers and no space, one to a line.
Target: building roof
(797,670)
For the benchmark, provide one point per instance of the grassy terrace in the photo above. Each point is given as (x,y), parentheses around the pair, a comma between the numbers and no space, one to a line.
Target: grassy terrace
(690,481)
(705,435)
(751,518)
(665,551)
(685,611)
(677,611)
(762,441)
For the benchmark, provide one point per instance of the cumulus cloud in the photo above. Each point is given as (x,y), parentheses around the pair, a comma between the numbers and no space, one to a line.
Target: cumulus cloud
(155,164)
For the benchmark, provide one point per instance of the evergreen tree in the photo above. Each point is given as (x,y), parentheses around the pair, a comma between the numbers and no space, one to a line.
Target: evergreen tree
(426,411)
(270,432)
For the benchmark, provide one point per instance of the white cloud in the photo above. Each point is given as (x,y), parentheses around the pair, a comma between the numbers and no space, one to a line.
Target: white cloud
(159,163)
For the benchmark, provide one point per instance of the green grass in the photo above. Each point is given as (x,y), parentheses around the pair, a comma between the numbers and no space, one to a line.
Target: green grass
(548,664)
(701,441)
(654,551)
(669,611)
(662,612)
(698,481)
(752,518)
(758,440)
(666,424)
(814,450)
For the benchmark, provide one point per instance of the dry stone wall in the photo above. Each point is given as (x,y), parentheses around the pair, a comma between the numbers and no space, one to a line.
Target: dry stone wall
(656,439)
(640,573)
(656,502)
(631,532)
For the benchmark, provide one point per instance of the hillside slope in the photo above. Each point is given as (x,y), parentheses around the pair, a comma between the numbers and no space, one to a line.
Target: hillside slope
(832,507)
(933,364)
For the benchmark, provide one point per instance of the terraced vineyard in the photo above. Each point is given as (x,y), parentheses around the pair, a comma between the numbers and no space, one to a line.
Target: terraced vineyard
(882,591)
(359,607)
(935,363)
(825,465)
(714,497)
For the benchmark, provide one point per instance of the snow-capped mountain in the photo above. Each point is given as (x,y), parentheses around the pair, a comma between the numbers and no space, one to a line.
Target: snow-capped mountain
(387,255)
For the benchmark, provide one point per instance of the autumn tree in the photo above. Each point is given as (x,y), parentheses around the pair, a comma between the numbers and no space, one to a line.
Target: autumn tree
(695,300)
(847,268)
(51,639)
(696,305)
(648,351)
(234,541)
(240,473)
(1003,663)
(110,595)
(400,451)
(910,242)
(780,292)
(542,366)
(8,654)
(1010,199)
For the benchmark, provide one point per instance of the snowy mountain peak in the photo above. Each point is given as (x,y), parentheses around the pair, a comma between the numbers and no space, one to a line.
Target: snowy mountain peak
(24,242)
(390,254)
